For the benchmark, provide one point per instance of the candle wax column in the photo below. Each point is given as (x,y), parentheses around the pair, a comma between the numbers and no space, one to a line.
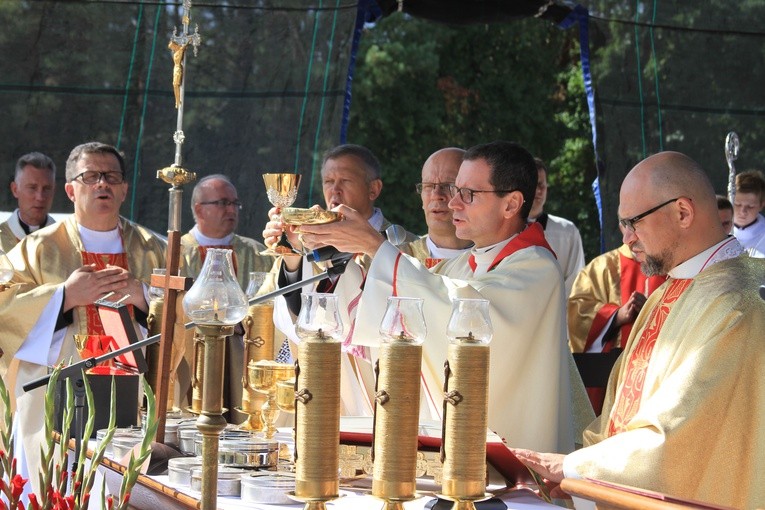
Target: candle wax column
(317,414)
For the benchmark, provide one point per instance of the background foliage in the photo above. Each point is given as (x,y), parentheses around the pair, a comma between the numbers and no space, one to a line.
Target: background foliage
(267,93)
(421,86)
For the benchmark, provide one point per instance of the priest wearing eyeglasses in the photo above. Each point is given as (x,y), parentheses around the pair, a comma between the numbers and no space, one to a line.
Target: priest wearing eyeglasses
(685,402)
(60,271)
(512,266)
(215,205)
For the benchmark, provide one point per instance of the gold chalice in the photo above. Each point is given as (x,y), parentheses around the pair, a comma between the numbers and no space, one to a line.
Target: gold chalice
(281,190)
(264,376)
(285,395)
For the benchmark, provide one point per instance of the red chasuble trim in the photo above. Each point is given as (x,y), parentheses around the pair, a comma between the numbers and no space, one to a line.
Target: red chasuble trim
(628,401)
(532,235)
(633,279)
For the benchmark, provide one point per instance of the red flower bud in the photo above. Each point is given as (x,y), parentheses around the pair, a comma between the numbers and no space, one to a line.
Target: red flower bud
(126,498)
(33,503)
(109,502)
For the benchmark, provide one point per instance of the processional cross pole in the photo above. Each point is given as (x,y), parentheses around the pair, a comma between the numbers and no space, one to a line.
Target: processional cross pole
(176,176)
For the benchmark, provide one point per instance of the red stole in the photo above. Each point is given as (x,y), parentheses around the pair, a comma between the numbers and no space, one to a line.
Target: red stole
(532,235)
(431,262)
(101,260)
(627,401)
(203,253)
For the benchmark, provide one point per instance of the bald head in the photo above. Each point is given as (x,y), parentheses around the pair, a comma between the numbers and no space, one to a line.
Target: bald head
(441,168)
(449,159)
(684,226)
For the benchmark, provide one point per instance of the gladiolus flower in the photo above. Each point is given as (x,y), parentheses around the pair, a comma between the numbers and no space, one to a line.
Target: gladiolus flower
(17,486)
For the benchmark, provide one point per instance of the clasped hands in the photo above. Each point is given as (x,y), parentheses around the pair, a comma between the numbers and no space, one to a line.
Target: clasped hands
(89,284)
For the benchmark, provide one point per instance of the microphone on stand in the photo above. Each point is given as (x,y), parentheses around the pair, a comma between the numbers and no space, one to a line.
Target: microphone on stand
(395,234)
(327,253)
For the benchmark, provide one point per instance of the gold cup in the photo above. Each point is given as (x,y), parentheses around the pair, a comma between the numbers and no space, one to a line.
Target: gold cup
(281,190)
(264,376)
(285,395)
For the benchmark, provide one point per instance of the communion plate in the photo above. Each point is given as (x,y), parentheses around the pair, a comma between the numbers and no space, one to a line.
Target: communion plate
(299,216)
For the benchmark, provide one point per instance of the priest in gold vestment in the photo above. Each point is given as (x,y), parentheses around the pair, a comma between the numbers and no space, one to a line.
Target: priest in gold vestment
(59,272)
(685,403)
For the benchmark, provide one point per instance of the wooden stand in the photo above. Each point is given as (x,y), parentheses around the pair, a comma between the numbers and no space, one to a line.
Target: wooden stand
(172,285)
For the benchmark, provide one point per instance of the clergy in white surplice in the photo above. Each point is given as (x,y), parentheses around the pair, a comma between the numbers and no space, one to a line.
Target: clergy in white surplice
(512,266)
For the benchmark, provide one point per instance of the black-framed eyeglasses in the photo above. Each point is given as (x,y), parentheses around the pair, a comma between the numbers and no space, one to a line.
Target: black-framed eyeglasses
(466,194)
(433,187)
(91,177)
(223,203)
(629,223)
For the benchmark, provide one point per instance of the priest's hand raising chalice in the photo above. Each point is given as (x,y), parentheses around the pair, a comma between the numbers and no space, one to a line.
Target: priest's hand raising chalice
(281,190)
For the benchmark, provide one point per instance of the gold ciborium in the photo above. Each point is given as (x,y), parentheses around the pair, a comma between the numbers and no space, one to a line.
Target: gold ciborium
(264,376)
(281,190)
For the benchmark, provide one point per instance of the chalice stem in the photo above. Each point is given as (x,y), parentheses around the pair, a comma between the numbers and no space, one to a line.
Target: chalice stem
(268,413)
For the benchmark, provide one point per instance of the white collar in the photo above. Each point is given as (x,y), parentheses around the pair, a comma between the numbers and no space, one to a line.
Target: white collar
(437,252)
(203,240)
(95,241)
(483,257)
(376,220)
(726,249)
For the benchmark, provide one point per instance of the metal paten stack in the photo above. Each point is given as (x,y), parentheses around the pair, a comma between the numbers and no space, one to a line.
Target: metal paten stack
(317,405)
(466,386)
(397,402)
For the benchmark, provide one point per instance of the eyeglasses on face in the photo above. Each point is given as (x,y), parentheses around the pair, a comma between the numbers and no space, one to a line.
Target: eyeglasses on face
(433,187)
(466,194)
(223,203)
(90,177)
(629,223)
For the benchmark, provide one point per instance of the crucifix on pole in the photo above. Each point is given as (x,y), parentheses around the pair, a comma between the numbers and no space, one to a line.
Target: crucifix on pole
(176,176)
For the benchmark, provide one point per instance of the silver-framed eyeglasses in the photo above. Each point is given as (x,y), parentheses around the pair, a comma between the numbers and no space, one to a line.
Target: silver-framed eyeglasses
(433,187)
(91,177)
(223,203)
(466,194)
(629,223)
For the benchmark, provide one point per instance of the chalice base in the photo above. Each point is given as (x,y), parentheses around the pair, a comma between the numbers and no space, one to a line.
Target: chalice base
(253,421)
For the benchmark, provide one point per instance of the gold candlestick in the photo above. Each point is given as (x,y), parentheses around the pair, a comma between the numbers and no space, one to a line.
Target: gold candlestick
(463,444)
(197,374)
(211,422)
(215,303)
(317,408)
(397,402)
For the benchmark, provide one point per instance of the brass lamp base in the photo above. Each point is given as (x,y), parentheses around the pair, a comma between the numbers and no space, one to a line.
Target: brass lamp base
(466,502)
(317,503)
